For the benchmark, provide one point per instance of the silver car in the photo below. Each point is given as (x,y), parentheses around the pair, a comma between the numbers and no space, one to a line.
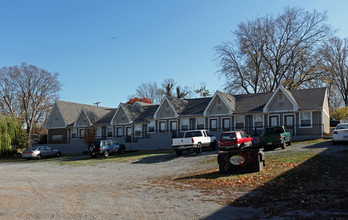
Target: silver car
(340,133)
(40,152)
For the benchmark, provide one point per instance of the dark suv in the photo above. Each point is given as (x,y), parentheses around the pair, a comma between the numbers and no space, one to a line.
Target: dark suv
(105,148)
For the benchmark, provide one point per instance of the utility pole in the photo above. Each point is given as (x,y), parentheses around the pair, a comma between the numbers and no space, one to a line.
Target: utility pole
(96,103)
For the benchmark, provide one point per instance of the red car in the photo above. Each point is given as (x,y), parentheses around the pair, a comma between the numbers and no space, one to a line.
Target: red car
(235,140)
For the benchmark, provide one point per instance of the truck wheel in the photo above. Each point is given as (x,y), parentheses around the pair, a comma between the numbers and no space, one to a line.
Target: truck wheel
(283,145)
(289,142)
(198,150)
(178,152)
(213,145)
(121,151)
(106,153)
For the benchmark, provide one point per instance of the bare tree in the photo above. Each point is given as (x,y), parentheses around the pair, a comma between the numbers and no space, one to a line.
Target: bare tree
(151,91)
(335,54)
(203,91)
(167,86)
(181,93)
(28,92)
(268,52)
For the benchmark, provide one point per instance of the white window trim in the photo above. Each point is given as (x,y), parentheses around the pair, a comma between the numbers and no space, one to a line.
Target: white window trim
(271,115)
(263,121)
(217,119)
(159,126)
(188,125)
(154,127)
(235,123)
(141,131)
(117,127)
(222,124)
(203,122)
(310,118)
(170,122)
(281,100)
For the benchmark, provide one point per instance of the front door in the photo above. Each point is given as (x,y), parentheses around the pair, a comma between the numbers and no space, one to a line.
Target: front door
(103,132)
(289,124)
(173,129)
(128,134)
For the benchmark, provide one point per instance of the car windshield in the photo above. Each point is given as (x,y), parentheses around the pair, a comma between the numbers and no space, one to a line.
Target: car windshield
(228,136)
(340,127)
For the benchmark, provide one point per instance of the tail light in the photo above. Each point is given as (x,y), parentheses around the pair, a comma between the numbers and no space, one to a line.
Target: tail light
(30,152)
(280,137)
(258,139)
(99,148)
(219,142)
(193,140)
(335,132)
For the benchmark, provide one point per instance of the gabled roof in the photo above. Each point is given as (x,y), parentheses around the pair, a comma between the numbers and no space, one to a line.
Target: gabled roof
(287,93)
(194,106)
(309,98)
(147,113)
(70,112)
(138,113)
(188,107)
(227,99)
(246,103)
(96,113)
(305,99)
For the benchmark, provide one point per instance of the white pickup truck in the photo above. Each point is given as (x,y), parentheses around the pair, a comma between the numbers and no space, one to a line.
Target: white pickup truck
(194,140)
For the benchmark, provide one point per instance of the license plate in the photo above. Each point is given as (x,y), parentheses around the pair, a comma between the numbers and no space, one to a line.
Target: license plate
(269,143)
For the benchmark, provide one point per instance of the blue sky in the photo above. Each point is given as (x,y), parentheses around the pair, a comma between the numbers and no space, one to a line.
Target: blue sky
(103,50)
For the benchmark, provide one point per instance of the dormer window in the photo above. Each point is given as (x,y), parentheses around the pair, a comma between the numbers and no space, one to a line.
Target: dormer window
(280,97)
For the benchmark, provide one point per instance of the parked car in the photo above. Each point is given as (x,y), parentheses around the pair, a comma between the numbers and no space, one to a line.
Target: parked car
(274,137)
(105,148)
(230,140)
(340,133)
(40,152)
(194,140)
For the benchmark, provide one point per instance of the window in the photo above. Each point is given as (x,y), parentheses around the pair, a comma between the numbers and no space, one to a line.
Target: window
(162,126)
(137,130)
(226,124)
(119,131)
(109,131)
(184,124)
(173,125)
(280,97)
(200,123)
(82,133)
(213,124)
(239,122)
(219,102)
(73,135)
(258,121)
(306,119)
(151,126)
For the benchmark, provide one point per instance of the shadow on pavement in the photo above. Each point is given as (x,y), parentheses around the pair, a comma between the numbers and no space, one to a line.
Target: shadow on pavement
(171,156)
(316,188)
